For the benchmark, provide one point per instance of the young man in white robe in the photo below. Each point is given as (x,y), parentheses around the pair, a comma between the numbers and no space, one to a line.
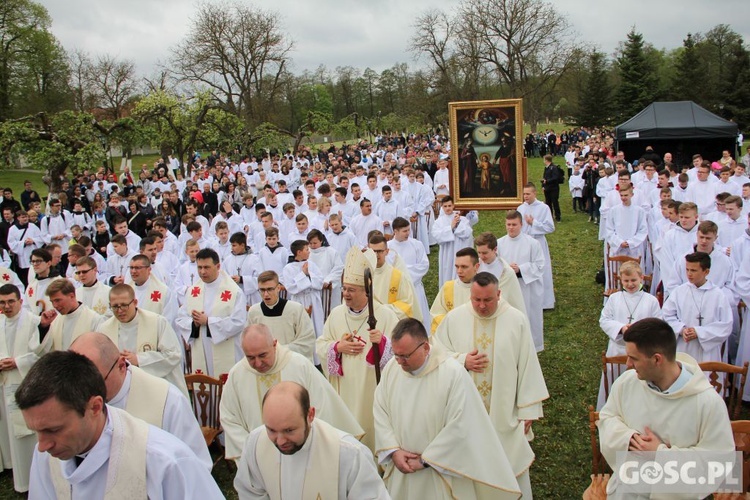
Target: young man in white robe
(152,294)
(701,190)
(640,412)
(106,436)
(288,320)
(266,364)
(331,266)
(538,223)
(212,317)
(339,237)
(621,310)
(55,228)
(19,339)
(24,238)
(452,231)
(68,318)
(423,198)
(243,267)
(365,222)
(187,272)
(145,338)
(498,347)
(677,243)
(527,260)
(303,282)
(491,262)
(699,313)
(310,459)
(92,292)
(392,287)
(453,451)
(42,274)
(347,347)
(387,209)
(734,224)
(118,264)
(455,292)
(273,255)
(627,228)
(412,253)
(142,394)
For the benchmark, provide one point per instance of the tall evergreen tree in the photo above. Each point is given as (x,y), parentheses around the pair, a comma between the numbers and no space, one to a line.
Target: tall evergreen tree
(688,83)
(639,85)
(736,90)
(595,99)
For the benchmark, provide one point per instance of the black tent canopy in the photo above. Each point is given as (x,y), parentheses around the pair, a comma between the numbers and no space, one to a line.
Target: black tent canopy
(682,128)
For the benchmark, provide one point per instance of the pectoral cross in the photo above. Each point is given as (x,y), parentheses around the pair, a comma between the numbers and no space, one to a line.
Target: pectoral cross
(191,278)
(630,319)
(700,319)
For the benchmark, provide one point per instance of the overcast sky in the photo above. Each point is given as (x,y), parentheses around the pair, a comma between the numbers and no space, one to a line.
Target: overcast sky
(372,33)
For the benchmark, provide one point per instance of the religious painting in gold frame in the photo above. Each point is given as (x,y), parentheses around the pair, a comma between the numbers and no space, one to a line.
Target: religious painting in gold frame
(488,169)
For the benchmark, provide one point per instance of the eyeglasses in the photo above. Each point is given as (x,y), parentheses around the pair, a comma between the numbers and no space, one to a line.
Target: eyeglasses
(36,261)
(136,268)
(405,357)
(267,290)
(82,271)
(119,307)
(112,368)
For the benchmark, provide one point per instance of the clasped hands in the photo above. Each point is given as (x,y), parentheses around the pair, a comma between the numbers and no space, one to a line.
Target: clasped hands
(406,461)
(646,441)
(355,345)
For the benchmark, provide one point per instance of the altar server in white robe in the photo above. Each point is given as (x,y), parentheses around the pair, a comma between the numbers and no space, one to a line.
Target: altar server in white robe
(627,227)
(621,310)
(303,282)
(676,243)
(24,238)
(243,267)
(452,231)
(701,190)
(153,294)
(42,273)
(150,462)
(392,286)
(415,259)
(538,223)
(311,459)
(329,263)
(339,237)
(266,364)
(142,394)
(145,338)
(387,209)
(118,264)
(366,221)
(453,451)
(495,349)
(67,320)
(423,212)
(212,317)
(527,261)
(92,293)
(735,223)
(19,339)
(640,414)
(699,313)
(187,272)
(347,347)
(491,262)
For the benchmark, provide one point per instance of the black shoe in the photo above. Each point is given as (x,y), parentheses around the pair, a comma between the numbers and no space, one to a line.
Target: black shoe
(558,219)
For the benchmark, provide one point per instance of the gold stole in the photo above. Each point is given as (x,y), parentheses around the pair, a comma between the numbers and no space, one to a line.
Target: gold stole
(56,330)
(126,471)
(264,381)
(223,352)
(147,398)
(147,338)
(448,287)
(11,379)
(320,480)
(393,293)
(484,342)
(99,294)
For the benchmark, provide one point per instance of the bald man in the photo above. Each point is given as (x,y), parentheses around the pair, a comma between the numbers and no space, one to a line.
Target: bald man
(145,396)
(266,364)
(305,447)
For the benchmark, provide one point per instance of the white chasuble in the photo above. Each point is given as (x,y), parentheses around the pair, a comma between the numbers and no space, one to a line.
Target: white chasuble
(96,298)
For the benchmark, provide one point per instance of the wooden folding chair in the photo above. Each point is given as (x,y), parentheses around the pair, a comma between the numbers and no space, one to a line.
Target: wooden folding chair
(724,377)
(205,394)
(741,431)
(282,292)
(325,297)
(600,470)
(612,367)
(613,271)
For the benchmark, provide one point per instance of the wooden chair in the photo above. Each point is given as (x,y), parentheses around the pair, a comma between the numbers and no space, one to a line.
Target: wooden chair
(205,394)
(600,470)
(325,297)
(187,365)
(436,207)
(741,431)
(414,228)
(282,292)
(724,377)
(612,367)
(613,271)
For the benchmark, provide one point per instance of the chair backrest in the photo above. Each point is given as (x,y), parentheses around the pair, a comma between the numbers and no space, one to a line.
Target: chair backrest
(436,205)
(187,365)
(613,271)
(741,431)
(741,307)
(612,367)
(414,228)
(729,382)
(325,298)
(282,292)
(598,463)
(205,394)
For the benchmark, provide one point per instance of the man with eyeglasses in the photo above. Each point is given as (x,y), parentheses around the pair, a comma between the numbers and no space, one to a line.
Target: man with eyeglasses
(35,298)
(347,347)
(146,339)
(288,320)
(68,318)
(19,338)
(452,451)
(138,390)
(499,348)
(152,294)
(92,292)
(267,363)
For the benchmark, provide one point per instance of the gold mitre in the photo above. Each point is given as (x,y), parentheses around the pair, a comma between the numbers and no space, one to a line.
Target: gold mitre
(356,263)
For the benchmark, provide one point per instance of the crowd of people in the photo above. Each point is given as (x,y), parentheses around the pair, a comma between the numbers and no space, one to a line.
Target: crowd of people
(299,279)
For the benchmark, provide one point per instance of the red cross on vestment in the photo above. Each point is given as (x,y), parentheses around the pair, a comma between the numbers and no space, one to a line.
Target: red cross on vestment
(155,296)
(226,295)
(6,277)
(30,292)
(195,291)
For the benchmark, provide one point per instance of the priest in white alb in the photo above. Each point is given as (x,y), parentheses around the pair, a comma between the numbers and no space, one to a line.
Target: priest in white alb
(491,262)
(92,292)
(411,252)
(392,287)
(493,342)
(19,338)
(266,364)
(145,339)
(212,317)
(432,433)
(455,292)
(347,347)
(537,223)
(67,320)
(153,294)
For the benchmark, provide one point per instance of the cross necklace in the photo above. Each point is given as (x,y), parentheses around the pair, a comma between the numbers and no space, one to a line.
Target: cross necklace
(631,312)
(700,316)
